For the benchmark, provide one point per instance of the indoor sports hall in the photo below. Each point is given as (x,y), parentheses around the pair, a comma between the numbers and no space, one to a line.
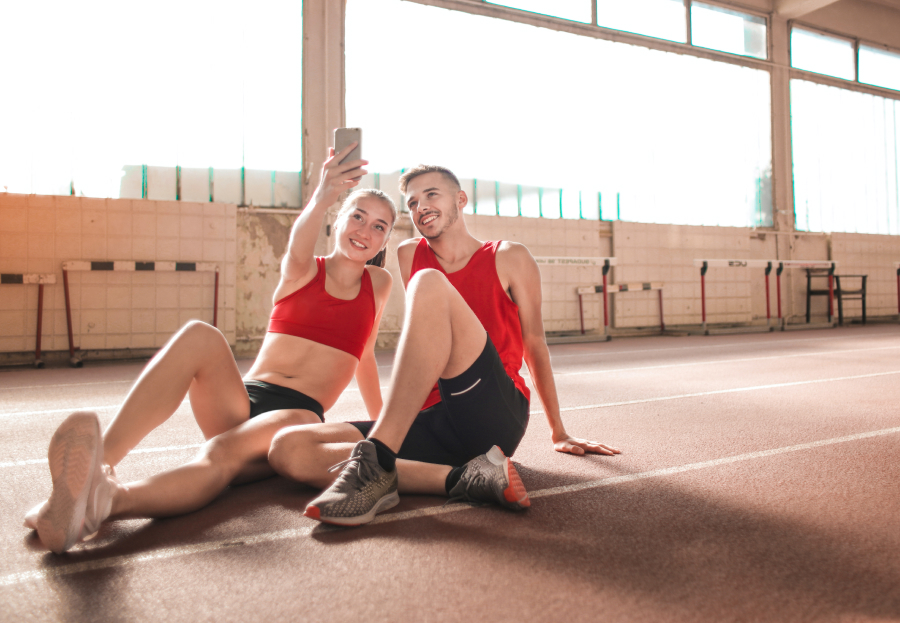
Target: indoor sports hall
(710,191)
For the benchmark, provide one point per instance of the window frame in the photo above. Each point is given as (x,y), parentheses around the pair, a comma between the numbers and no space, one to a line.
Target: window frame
(854,84)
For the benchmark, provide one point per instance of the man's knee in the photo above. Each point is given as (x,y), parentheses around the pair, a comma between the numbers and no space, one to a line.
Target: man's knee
(428,280)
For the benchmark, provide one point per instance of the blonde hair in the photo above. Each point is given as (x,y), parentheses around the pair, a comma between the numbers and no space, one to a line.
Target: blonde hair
(350,204)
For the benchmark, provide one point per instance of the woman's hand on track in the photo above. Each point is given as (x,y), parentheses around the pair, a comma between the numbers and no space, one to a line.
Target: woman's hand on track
(338,176)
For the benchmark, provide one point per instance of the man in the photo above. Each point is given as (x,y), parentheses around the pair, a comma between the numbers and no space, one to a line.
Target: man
(473,311)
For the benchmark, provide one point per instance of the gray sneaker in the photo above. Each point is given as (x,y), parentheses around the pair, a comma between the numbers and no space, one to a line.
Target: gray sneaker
(491,479)
(362,490)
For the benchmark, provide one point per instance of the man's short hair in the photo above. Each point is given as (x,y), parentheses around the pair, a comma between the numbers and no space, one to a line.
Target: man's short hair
(422,169)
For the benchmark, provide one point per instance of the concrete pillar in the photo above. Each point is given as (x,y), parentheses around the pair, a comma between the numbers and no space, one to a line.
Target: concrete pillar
(782,174)
(782,157)
(323,85)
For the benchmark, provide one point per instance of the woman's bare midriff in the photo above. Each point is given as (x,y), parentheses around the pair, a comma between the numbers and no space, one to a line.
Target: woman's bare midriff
(321,372)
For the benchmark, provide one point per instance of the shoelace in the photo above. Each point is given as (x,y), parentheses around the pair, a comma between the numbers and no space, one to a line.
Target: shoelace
(364,473)
(478,478)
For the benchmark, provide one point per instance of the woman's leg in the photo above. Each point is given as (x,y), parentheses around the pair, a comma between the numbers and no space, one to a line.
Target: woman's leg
(237,455)
(196,360)
(305,453)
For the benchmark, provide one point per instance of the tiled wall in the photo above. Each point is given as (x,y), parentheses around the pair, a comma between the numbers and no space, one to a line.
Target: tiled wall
(666,253)
(120,310)
(113,310)
(556,237)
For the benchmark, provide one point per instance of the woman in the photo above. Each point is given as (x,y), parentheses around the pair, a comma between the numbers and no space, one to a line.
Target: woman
(322,331)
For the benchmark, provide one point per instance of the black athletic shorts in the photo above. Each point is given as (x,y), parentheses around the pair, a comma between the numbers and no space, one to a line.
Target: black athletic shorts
(480,408)
(268,397)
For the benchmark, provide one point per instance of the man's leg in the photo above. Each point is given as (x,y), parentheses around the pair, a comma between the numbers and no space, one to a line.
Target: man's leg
(441,338)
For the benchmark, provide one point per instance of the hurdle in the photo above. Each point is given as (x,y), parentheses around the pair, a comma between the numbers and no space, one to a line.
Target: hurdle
(768,265)
(605,262)
(621,287)
(40,280)
(897,266)
(131,266)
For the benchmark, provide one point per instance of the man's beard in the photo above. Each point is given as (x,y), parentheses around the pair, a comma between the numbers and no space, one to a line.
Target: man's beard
(452,218)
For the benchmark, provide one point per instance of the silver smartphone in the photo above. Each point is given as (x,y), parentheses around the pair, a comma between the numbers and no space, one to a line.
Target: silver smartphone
(345,136)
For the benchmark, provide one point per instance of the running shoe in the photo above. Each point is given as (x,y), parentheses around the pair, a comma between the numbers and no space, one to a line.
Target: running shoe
(362,490)
(491,479)
(99,502)
(74,456)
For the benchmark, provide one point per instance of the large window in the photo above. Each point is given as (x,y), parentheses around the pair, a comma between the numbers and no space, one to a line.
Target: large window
(575,10)
(879,67)
(663,19)
(623,131)
(723,29)
(822,54)
(846,169)
(178,96)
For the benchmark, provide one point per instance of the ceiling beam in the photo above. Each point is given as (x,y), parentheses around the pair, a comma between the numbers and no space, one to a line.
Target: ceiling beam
(792,9)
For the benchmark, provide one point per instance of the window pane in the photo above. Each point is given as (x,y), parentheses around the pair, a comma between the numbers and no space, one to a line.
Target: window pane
(729,31)
(533,118)
(663,19)
(822,54)
(845,179)
(879,67)
(575,10)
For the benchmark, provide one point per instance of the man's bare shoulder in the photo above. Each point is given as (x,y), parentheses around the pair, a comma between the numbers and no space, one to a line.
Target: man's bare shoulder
(407,245)
(514,253)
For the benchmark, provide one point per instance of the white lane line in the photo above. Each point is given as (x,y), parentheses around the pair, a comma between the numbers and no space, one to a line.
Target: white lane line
(192,446)
(72,409)
(296,533)
(723,361)
(769,343)
(604,405)
(56,385)
(721,391)
(162,554)
(679,469)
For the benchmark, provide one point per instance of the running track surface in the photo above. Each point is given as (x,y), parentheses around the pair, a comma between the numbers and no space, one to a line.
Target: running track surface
(760,481)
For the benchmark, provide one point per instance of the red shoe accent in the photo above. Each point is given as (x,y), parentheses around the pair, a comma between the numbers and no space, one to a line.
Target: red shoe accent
(515,492)
(313,512)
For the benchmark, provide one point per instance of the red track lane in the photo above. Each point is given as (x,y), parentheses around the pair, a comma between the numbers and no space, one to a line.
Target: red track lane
(747,491)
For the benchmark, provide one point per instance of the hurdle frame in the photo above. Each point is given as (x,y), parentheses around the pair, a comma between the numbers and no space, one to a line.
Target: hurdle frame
(897,268)
(605,263)
(40,280)
(130,266)
(614,288)
(769,265)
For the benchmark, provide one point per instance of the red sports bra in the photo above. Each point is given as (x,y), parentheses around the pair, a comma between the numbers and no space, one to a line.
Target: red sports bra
(313,314)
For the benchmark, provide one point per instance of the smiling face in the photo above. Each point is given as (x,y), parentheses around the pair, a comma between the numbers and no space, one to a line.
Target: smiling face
(434,203)
(363,230)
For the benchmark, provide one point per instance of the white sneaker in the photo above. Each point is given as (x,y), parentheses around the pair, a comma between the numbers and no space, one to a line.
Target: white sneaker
(99,502)
(75,457)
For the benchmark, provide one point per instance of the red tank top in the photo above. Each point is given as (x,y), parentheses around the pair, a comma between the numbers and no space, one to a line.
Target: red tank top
(480,287)
(312,313)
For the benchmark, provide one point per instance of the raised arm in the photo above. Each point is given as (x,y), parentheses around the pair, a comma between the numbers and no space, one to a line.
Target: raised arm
(518,270)
(298,265)
(367,370)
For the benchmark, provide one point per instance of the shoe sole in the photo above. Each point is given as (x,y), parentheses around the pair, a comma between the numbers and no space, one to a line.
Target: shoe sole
(389,501)
(73,457)
(515,493)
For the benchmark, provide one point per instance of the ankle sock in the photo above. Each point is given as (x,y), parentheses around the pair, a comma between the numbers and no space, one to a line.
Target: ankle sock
(453,478)
(386,457)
